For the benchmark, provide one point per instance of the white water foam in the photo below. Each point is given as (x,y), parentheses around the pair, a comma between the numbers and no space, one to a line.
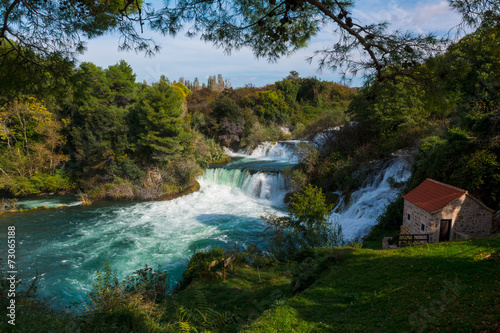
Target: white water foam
(48,201)
(281,150)
(370,200)
(260,185)
(68,246)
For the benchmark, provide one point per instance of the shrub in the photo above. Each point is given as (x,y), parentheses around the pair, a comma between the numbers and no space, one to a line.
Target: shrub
(198,265)
(151,283)
(125,306)
(306,226)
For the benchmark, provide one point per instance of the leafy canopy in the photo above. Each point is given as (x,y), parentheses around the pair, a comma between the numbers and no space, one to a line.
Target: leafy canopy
(271,28)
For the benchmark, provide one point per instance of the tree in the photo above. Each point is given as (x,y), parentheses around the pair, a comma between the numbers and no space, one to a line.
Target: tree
(470,73)
(270,106)
(226,107)
(46,34)
(477,12)
(159,125)
(121,80)
(270,28)
(306,226)
(32,152)
(308,209)
(98,129)
(289,89)
(277,28)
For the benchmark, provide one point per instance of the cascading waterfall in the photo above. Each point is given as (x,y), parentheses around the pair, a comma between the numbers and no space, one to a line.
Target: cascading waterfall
(368,202)
(67,246)
(266,186)
(283,150)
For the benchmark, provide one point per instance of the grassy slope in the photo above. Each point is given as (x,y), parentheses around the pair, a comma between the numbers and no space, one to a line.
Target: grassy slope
(446,287)
(242,293)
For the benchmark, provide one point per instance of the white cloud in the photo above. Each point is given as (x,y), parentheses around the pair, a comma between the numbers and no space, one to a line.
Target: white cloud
(435,17)
(422,17)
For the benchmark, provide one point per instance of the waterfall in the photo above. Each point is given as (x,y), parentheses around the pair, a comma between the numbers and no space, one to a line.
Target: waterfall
(281,150)
(368,202)
(260,185)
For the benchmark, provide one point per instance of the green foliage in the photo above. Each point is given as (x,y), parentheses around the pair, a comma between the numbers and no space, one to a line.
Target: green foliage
(98,130)
(470,73)
(198,265)
(296,178)
(126,306)
(215,153)
(202,316)
(310,91)
(305,227)
(31,148)
(458,161)
(121,81)
(289,89)
(160,128)
(226,107)
(392,215)
(270,107)
(398,113)
(151,283)
(62,28)
(105,290)
(308,210)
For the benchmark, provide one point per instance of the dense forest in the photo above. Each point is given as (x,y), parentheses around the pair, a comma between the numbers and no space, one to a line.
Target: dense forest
(101,133)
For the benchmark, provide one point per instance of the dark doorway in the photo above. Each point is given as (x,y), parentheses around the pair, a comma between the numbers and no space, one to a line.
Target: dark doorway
(444,230)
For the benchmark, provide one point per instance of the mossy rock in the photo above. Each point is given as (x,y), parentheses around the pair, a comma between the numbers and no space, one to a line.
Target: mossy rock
(332,198)
(194,186)
(288,197)
(224,160)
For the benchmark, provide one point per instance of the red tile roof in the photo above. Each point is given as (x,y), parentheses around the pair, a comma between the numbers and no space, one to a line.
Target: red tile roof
(432,195)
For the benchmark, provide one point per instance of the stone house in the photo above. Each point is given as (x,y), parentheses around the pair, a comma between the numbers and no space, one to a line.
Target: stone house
(445,213)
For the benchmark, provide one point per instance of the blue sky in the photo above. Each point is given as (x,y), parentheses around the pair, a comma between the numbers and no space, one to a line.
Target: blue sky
(190,57)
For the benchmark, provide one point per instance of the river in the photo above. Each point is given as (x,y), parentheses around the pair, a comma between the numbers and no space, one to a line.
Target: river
(66,246)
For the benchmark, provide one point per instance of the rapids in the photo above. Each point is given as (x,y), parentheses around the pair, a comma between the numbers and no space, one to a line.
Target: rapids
(66,246)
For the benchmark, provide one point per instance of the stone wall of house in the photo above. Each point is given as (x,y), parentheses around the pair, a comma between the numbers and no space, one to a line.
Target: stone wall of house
(469,217)
(496,223)
(449,212)
(418,216)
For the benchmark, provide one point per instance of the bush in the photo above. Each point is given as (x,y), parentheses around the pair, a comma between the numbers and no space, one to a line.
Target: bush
(198,266)
(125,306)
(392,215)
(306,226)
(151,283)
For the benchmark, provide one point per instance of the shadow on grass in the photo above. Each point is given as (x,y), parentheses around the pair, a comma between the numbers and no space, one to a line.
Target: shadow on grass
(440,287)
(242,294)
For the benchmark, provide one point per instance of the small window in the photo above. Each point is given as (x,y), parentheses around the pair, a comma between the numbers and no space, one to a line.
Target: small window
(408,217)
(422,227)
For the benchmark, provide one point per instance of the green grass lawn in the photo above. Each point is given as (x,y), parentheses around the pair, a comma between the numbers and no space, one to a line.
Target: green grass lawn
(242,294)
(446,287)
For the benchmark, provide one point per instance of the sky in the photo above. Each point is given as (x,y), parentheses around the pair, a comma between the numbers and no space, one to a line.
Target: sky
(190,57)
